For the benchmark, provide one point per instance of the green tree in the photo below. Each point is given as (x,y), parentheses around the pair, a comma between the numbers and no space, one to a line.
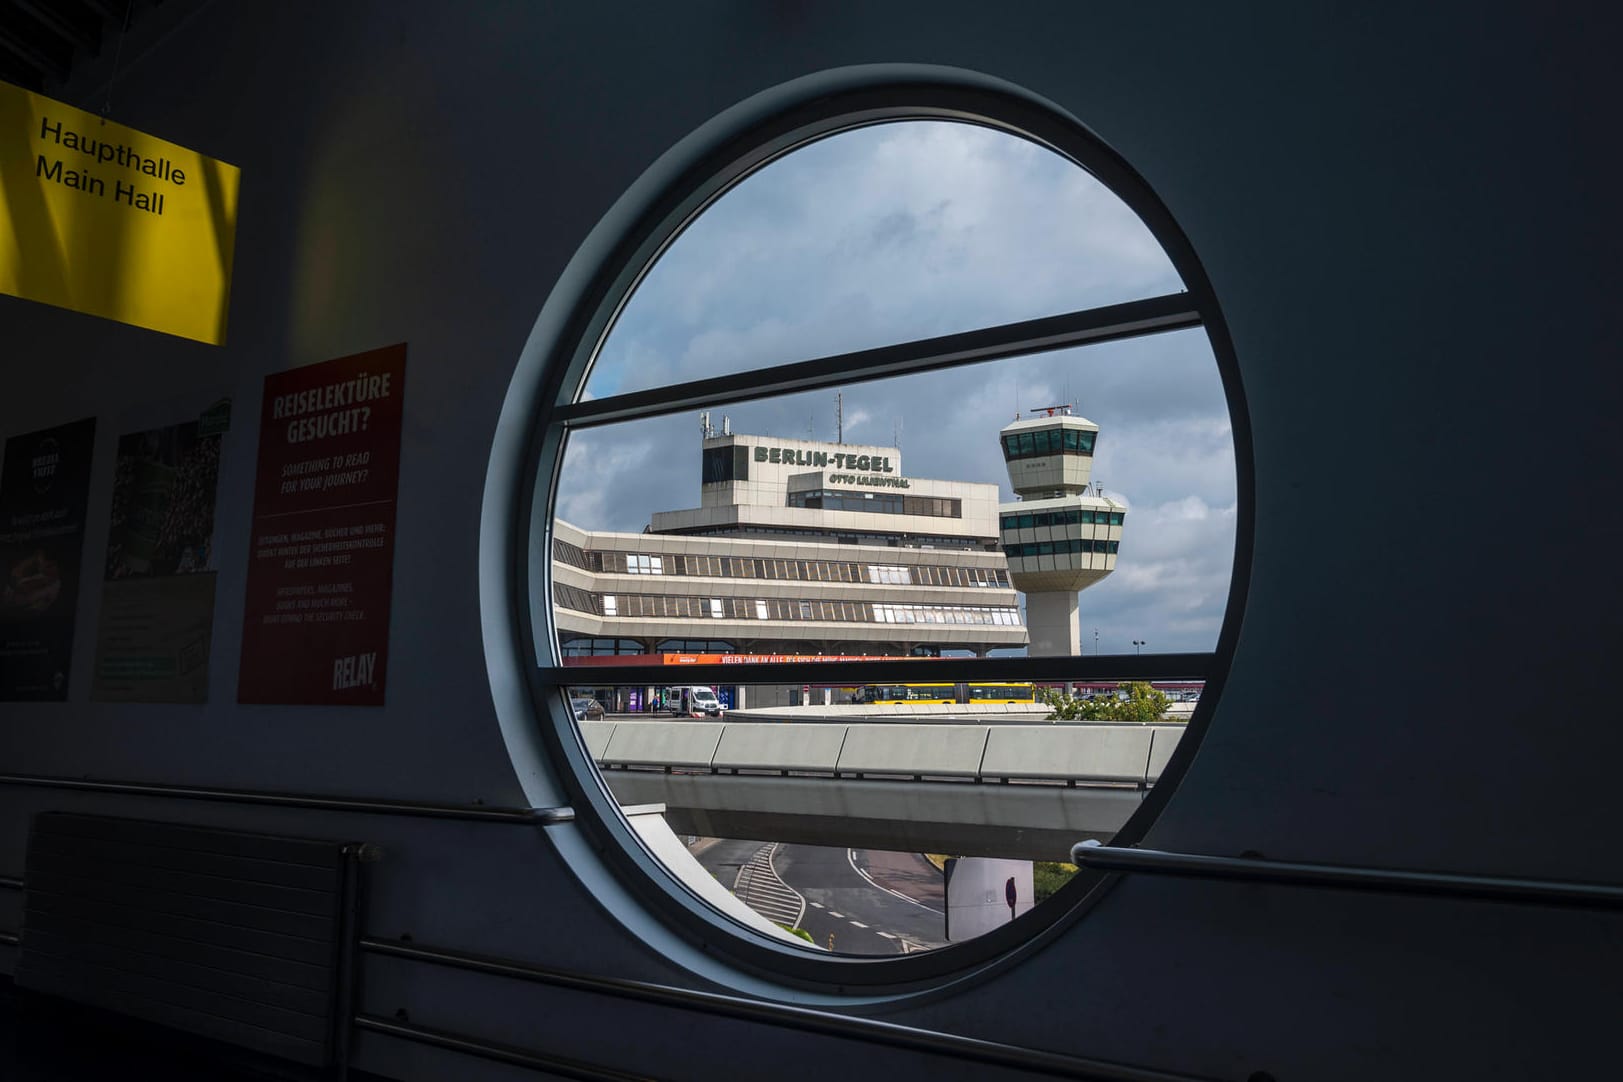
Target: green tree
(1143,705)
(1047,877)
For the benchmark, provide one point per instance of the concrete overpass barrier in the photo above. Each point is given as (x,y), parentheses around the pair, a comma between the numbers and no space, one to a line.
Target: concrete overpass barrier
(596,735)
(1066,753)
(760,746)
(914,750)
(1096,753)
(987,789)
(690,744)
(1163,743)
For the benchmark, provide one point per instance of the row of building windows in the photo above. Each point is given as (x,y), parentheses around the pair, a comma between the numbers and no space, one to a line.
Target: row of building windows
(1071,517)
(945,614)
(843,537)
(601,647)
(1061,548)
(565,553)
(573,597)
(879,503)
(587,646)
(667,606)
(693,646)
(756,567)
(1048,441)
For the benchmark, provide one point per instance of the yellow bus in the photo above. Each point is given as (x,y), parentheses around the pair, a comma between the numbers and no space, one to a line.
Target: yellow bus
(919,694)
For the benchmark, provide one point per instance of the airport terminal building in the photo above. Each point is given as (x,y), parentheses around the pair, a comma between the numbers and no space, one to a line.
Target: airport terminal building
(796,547)
(801,547)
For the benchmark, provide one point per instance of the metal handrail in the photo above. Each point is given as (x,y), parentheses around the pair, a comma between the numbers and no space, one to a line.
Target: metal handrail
(362,805)
(1483,888)
(554,1066)
(806,1019)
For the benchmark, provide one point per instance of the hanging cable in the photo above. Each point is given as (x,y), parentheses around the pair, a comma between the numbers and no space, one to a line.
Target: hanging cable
(118,54)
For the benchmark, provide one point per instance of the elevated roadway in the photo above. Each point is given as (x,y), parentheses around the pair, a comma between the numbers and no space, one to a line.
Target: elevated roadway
(972,789)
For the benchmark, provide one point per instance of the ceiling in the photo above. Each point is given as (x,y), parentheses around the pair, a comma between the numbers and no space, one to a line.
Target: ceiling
(42,40)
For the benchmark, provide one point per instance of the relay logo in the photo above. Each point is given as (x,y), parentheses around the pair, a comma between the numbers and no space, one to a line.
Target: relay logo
(354,671)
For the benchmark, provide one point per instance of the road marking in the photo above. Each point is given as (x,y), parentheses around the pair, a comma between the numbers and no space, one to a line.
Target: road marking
(858,924)
(851,859)
(834,914)
(759,886)
(800,914)
(819,905)
(887,935)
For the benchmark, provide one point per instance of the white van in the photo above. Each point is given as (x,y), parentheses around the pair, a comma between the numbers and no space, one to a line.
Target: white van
(692,702)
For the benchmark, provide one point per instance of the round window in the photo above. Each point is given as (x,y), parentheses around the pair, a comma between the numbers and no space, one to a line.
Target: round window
(882,529)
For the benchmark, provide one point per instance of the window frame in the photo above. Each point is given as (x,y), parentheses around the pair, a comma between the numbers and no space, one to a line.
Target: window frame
(553,373)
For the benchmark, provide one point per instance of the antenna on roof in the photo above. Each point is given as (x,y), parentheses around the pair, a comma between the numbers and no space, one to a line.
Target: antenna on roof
(705,431)
(726,425)
(1050,411)
(896,434)
(839,417)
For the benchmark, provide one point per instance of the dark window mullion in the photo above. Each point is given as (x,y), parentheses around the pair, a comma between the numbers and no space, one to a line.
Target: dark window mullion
(1153,315)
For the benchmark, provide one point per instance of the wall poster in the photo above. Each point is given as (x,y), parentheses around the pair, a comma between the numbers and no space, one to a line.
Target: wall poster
(44,484)
(321,556)
(157,607)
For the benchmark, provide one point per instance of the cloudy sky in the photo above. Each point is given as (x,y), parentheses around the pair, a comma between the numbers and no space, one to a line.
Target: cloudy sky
(905,231)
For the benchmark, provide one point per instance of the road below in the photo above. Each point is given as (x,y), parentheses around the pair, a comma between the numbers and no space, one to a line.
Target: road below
(860,914)
(869,902)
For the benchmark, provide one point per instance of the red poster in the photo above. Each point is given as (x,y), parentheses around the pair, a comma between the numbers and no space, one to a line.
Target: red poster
(316,621)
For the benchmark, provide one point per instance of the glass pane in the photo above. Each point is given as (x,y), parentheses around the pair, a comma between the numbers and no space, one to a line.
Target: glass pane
(941,515)
(918,506)
(878,236)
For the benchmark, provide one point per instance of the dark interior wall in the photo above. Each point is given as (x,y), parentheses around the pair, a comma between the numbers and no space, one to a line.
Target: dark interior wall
(1411,231)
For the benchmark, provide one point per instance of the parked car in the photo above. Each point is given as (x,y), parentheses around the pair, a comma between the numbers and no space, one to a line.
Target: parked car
(587,709)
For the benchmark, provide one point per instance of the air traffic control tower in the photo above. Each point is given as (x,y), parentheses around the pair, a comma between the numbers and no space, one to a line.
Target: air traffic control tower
(1059,536)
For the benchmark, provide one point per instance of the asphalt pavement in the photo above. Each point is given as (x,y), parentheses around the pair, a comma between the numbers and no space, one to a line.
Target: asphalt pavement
(855,901)
(852,911)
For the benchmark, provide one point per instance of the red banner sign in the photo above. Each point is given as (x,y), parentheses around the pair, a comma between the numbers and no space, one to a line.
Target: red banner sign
(720,659)
(316,621)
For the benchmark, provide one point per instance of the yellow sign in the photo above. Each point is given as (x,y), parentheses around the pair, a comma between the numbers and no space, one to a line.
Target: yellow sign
(113,222)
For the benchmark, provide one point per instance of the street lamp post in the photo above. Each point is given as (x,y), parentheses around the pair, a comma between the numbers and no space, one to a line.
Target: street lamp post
(1139,644)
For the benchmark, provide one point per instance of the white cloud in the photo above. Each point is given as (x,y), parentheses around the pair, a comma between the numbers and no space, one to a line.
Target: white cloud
(881,235)
(1172,577)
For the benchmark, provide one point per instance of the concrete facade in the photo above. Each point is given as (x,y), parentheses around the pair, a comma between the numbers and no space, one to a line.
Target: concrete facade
(892,582)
